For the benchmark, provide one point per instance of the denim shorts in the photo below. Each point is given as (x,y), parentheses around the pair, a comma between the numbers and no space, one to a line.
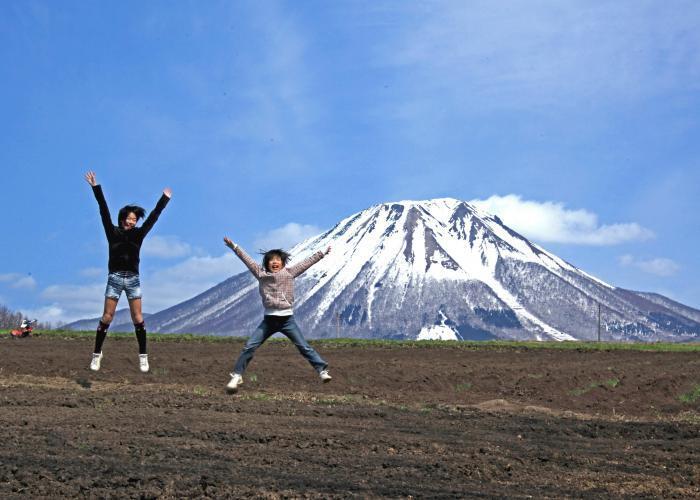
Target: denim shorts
(123,281)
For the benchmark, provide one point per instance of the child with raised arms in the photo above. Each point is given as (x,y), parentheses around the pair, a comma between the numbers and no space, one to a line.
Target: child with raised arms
(276,287)
(124,242)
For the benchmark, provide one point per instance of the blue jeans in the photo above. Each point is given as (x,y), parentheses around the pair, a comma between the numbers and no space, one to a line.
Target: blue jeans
(269,326)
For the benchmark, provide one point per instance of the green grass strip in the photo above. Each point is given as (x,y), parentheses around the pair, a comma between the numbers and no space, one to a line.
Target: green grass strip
(402,344)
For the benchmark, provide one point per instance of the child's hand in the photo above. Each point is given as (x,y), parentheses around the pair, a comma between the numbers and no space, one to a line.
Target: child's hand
(328,250)
(91,178)
(229,243)
(168,192)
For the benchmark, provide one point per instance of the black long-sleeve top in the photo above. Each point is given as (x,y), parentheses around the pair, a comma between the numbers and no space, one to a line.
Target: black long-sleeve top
(125,245)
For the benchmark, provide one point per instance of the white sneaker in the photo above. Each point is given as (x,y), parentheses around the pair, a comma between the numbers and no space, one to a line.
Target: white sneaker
(325,376)
(143,363)
(233,384)
(96,360)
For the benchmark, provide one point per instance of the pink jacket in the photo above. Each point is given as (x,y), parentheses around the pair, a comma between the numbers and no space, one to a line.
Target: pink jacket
(277,289)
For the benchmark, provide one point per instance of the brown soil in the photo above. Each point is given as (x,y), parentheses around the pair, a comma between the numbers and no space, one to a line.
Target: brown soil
(394,422)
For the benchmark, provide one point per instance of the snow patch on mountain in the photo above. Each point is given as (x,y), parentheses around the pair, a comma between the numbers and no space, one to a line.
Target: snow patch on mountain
(441,331)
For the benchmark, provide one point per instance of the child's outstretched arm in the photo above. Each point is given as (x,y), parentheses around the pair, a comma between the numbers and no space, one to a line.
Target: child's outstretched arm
(91,179)
(155,213)
(302,266)
(247,260)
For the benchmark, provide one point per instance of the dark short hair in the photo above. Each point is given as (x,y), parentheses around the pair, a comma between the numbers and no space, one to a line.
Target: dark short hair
(275,252)
(139,212)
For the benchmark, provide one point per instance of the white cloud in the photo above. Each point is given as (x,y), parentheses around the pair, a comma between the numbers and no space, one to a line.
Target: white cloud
(286,236)
(658,266)
(166,247)
(280,102)
(170,286)
(553,223)
(73,293)
(269,90)
(48,314)
(161,289)
(278,105)
(488,54)
(93,272)
(71,302)
(26,282)
(17,280)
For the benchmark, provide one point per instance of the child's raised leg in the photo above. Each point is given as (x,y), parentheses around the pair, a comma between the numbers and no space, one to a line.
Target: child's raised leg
(262,333)
(293,333)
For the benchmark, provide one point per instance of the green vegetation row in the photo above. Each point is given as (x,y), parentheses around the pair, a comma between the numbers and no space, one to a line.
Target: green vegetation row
(397,344)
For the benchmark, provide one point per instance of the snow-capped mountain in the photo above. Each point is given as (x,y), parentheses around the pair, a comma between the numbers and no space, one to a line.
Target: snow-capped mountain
(437,269)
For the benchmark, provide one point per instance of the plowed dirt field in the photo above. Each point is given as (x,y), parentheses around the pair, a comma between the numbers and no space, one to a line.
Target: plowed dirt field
(399,422)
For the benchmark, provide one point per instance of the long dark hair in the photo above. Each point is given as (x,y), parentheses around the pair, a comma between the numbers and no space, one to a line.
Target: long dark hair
(139,212)
(275,252)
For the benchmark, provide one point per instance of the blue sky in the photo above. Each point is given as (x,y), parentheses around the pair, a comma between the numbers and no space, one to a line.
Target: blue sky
(576,122)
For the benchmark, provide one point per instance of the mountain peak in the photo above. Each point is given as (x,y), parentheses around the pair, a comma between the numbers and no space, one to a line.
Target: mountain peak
(411,269)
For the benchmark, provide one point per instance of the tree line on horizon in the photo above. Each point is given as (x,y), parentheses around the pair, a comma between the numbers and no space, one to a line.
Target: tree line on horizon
(12,319)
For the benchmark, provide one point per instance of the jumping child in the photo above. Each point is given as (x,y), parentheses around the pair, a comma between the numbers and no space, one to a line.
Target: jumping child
(124,248)
(276,286)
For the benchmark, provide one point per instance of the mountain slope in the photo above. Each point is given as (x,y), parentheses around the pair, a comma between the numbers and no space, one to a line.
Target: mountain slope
(438,269)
